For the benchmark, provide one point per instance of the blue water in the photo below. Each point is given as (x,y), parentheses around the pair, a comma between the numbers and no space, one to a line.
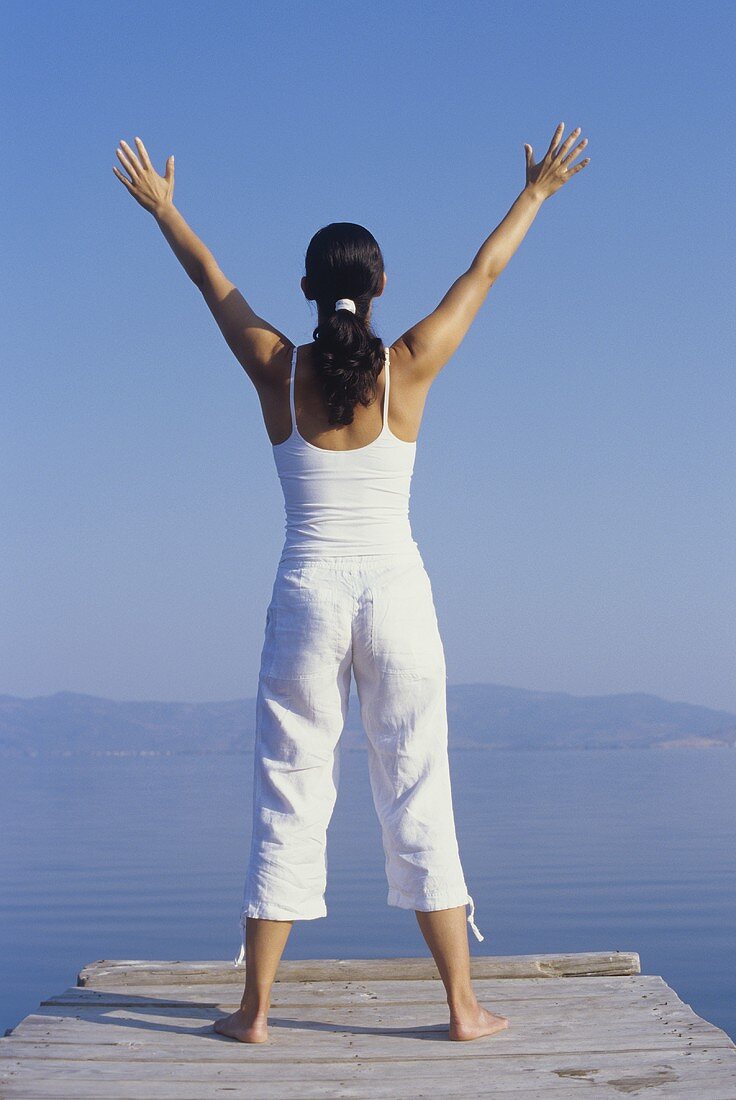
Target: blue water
(144,857)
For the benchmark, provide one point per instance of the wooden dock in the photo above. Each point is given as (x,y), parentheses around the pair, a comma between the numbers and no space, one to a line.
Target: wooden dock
(369,1028)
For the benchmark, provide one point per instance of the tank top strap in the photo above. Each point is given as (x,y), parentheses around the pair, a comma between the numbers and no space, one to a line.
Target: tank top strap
(292,407)
(387,387)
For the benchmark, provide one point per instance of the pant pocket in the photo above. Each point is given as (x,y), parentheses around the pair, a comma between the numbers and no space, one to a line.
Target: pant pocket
(405,634)
(304,634)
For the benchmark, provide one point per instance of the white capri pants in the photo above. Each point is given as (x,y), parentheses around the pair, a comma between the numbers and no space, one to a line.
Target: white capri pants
(373,614)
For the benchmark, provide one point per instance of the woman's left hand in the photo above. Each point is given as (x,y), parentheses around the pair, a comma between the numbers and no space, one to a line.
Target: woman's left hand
(145,185)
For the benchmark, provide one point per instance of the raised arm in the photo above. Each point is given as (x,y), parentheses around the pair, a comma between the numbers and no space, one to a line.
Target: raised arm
(433,341)
(252,340)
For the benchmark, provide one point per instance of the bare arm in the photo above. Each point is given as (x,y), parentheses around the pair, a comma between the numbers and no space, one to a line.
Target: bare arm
(252,340)
(434,340)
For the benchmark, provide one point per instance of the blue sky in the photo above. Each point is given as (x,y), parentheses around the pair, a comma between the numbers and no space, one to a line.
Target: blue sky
(573,492)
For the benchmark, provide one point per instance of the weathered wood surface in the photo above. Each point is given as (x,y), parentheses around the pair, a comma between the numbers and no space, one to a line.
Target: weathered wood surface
(138,971)
(398,991)
(334,1034)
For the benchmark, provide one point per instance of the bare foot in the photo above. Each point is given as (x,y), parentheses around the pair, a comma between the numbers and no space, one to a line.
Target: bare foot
(244,1026)
(473,1023)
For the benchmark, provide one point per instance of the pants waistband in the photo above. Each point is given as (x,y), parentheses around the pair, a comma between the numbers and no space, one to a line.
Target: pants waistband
(350,561)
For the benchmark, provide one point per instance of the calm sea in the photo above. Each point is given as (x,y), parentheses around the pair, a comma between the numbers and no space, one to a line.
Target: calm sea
(144,857)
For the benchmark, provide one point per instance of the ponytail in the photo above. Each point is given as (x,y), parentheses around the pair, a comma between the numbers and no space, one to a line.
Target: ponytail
(344,259)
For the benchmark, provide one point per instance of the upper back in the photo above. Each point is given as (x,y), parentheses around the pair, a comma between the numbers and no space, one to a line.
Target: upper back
(406,399)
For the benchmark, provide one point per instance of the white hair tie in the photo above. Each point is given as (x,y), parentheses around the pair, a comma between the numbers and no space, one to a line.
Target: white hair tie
(345,303)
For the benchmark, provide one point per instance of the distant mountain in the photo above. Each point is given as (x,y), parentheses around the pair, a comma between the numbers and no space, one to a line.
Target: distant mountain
(480,716)
(512,718)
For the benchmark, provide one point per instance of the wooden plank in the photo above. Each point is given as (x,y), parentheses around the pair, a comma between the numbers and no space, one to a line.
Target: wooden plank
(402,1014)
(408,991)
(392,1030)
(697,1074)
(583,963)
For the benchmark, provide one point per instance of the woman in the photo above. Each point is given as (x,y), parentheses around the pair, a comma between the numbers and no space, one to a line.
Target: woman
(351,593)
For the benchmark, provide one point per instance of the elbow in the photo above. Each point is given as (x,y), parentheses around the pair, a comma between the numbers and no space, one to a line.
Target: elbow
(196,274)
(488,275)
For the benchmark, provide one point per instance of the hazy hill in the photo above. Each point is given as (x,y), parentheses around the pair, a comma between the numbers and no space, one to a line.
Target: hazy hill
(480,715)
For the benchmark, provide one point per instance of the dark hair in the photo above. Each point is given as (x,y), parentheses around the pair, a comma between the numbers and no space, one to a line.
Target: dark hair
(343,260)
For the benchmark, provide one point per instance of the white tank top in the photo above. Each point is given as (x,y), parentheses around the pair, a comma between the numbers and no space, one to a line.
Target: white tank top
(341,503)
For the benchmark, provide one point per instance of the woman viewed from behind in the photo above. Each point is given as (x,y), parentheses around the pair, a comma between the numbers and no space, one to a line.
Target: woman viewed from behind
(351,596)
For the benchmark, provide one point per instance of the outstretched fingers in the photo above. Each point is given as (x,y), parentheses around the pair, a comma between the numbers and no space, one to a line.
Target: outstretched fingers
(128,160)
(556,167)
(145,184)
(572,171)
(567,161)
(123,179)
(143,153)
(571,137)
(555,138)
(565,155)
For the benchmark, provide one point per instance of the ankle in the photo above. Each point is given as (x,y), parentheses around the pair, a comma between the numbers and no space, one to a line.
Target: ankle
(255,1006)
(462,1000)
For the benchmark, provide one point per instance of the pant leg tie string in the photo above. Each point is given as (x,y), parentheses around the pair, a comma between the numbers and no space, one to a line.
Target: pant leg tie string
(241,956)
(471,922)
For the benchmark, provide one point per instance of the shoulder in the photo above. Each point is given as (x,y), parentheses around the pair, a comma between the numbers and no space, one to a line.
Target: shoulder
(273,373)
(405,370)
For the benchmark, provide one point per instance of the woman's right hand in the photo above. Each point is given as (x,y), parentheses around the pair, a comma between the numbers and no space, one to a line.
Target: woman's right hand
(554,168)
(150,190)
